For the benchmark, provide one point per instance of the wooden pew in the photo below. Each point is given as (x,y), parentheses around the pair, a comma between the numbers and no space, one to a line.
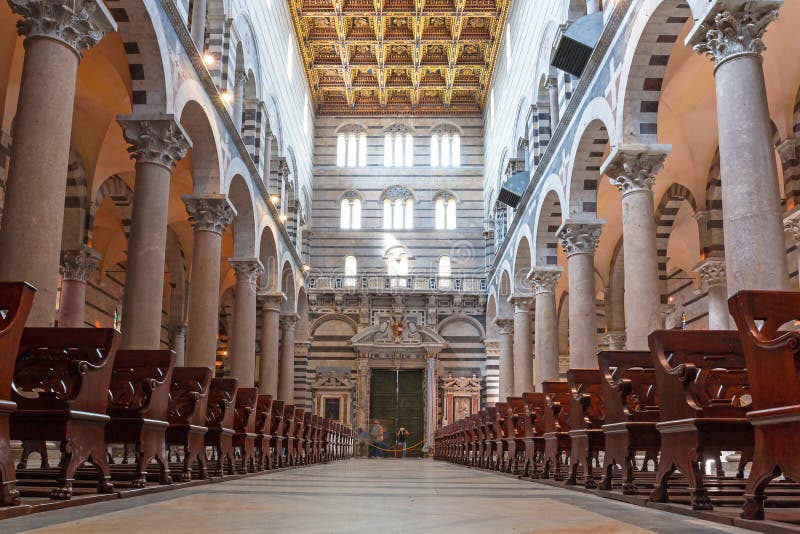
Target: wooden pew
(476,445)
(534,406)
(772,368)
(61,380)
(276,433)
(16,299)
(694,371)
(244,427)
(494,435)
(514,432)
(219,420)
(298,451)
(557,442)
(631,415)
(325,440)
(187,417)
(586,422)
(309,423)
(139,410)
(288,435)
(262,428)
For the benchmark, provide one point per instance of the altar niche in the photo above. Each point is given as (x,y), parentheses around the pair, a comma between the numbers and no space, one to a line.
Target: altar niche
(397,399)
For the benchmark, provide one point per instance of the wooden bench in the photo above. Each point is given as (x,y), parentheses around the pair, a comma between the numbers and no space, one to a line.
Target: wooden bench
(586,424)
(263,425)
(513,432)
(219,421)
(494,435)
(631,415)
(187,417)
(276,434)
(288,435)
(310,437)
(298,451)
(694,372)
(534,406)
(772,368)
(61,380)
(139,410)
(16,299)
(244,428)
(557,442)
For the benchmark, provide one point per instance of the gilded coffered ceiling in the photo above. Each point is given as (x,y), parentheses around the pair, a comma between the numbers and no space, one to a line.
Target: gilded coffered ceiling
(399,57)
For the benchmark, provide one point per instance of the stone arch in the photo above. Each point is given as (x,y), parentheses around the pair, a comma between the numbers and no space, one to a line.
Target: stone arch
(77,223)
(654,35)
(303,331)
(268,254)
(587,157)
(121,195)
(504,308)
(714,242)
(289,305)
(461,319)
(338,317)
(522,266)
(666,212)
(491,315)
(206,168)
(548,220)
(244,225)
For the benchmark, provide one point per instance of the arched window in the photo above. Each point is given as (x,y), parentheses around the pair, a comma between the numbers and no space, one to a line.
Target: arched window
(397,263)
(398,209)
(445,211)
(398,147)
(351,147)
(350,271)
(445,147)
(350,212)
(444,271)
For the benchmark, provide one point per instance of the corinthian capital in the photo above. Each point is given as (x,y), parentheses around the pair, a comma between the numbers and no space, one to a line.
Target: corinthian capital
(712,271)
(505,325)
(544,279)
(247,269)
(580,237)
(791,224)
(634,167)
(734,31)
(78,263)
(155,139)
(209,213)
(79,24)
(288,323)
(282,168)
(272,301)
(521,303)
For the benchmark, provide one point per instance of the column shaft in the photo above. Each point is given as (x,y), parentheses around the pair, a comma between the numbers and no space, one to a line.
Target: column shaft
(523,355)
(270,357)
(552,88)
(582,312)
(199,24)
(430,409)
(546,325)
(243,340)
(179,344)
(505,333)
(286,384)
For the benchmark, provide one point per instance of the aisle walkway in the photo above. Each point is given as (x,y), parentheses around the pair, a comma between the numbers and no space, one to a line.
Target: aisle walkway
(363,496)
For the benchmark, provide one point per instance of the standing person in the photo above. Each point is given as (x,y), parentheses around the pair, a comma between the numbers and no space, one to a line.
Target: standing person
(375,437)
(402,440)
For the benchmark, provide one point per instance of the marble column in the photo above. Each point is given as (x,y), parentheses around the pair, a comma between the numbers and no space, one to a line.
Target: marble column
(632,169)
(712,272)
(243,339)
(210,215)
(76,266)
(431,356)
(523,353)
(156,142)
(592,6)
(492,359)
(546,323)
(505,334)
(178,343)
(199,24)
(579,240)
(614,340)
(238,99)
(270,334)
(56,32)
(755,256)
(267,155)
(286,376)
(552,90)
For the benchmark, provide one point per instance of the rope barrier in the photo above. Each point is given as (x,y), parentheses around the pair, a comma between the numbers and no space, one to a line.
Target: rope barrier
(408,448)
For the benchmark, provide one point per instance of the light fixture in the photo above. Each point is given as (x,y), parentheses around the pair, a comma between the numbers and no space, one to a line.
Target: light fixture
(275,199)
(209,59)
(226,96)
(283,217)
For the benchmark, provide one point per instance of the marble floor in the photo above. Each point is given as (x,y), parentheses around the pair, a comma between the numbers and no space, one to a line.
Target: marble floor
(386,496)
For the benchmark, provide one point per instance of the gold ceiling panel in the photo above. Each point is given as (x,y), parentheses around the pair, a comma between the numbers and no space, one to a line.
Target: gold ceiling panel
(407,57)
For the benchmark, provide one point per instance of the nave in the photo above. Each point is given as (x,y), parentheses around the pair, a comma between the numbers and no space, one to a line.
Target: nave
(365,496)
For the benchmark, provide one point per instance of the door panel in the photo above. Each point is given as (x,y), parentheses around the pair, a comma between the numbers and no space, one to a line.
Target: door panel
(396,400)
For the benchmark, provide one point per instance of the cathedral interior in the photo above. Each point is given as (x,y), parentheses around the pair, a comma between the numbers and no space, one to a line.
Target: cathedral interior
(365,262)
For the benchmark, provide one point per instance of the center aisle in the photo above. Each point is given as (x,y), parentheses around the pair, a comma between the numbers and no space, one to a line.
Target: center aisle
(419,496)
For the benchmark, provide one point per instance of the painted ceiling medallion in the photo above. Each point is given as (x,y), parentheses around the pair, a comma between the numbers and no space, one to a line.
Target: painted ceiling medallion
(399,57)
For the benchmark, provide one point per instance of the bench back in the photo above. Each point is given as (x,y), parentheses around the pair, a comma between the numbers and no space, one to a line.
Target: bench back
(629,386)
(770,353)
(288,420)
(263,419)
(516,416)
(188,395)
(221,398)
(556,415)
(535,404)
(276,413)
(16,299)
(586,399)
(699,373)
(65,369)
(244,411)
(140,383)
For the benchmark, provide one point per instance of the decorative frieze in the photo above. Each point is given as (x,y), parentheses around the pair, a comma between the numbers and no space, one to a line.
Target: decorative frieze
(580,237)
(209,213)
(158,139)
(80,24)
